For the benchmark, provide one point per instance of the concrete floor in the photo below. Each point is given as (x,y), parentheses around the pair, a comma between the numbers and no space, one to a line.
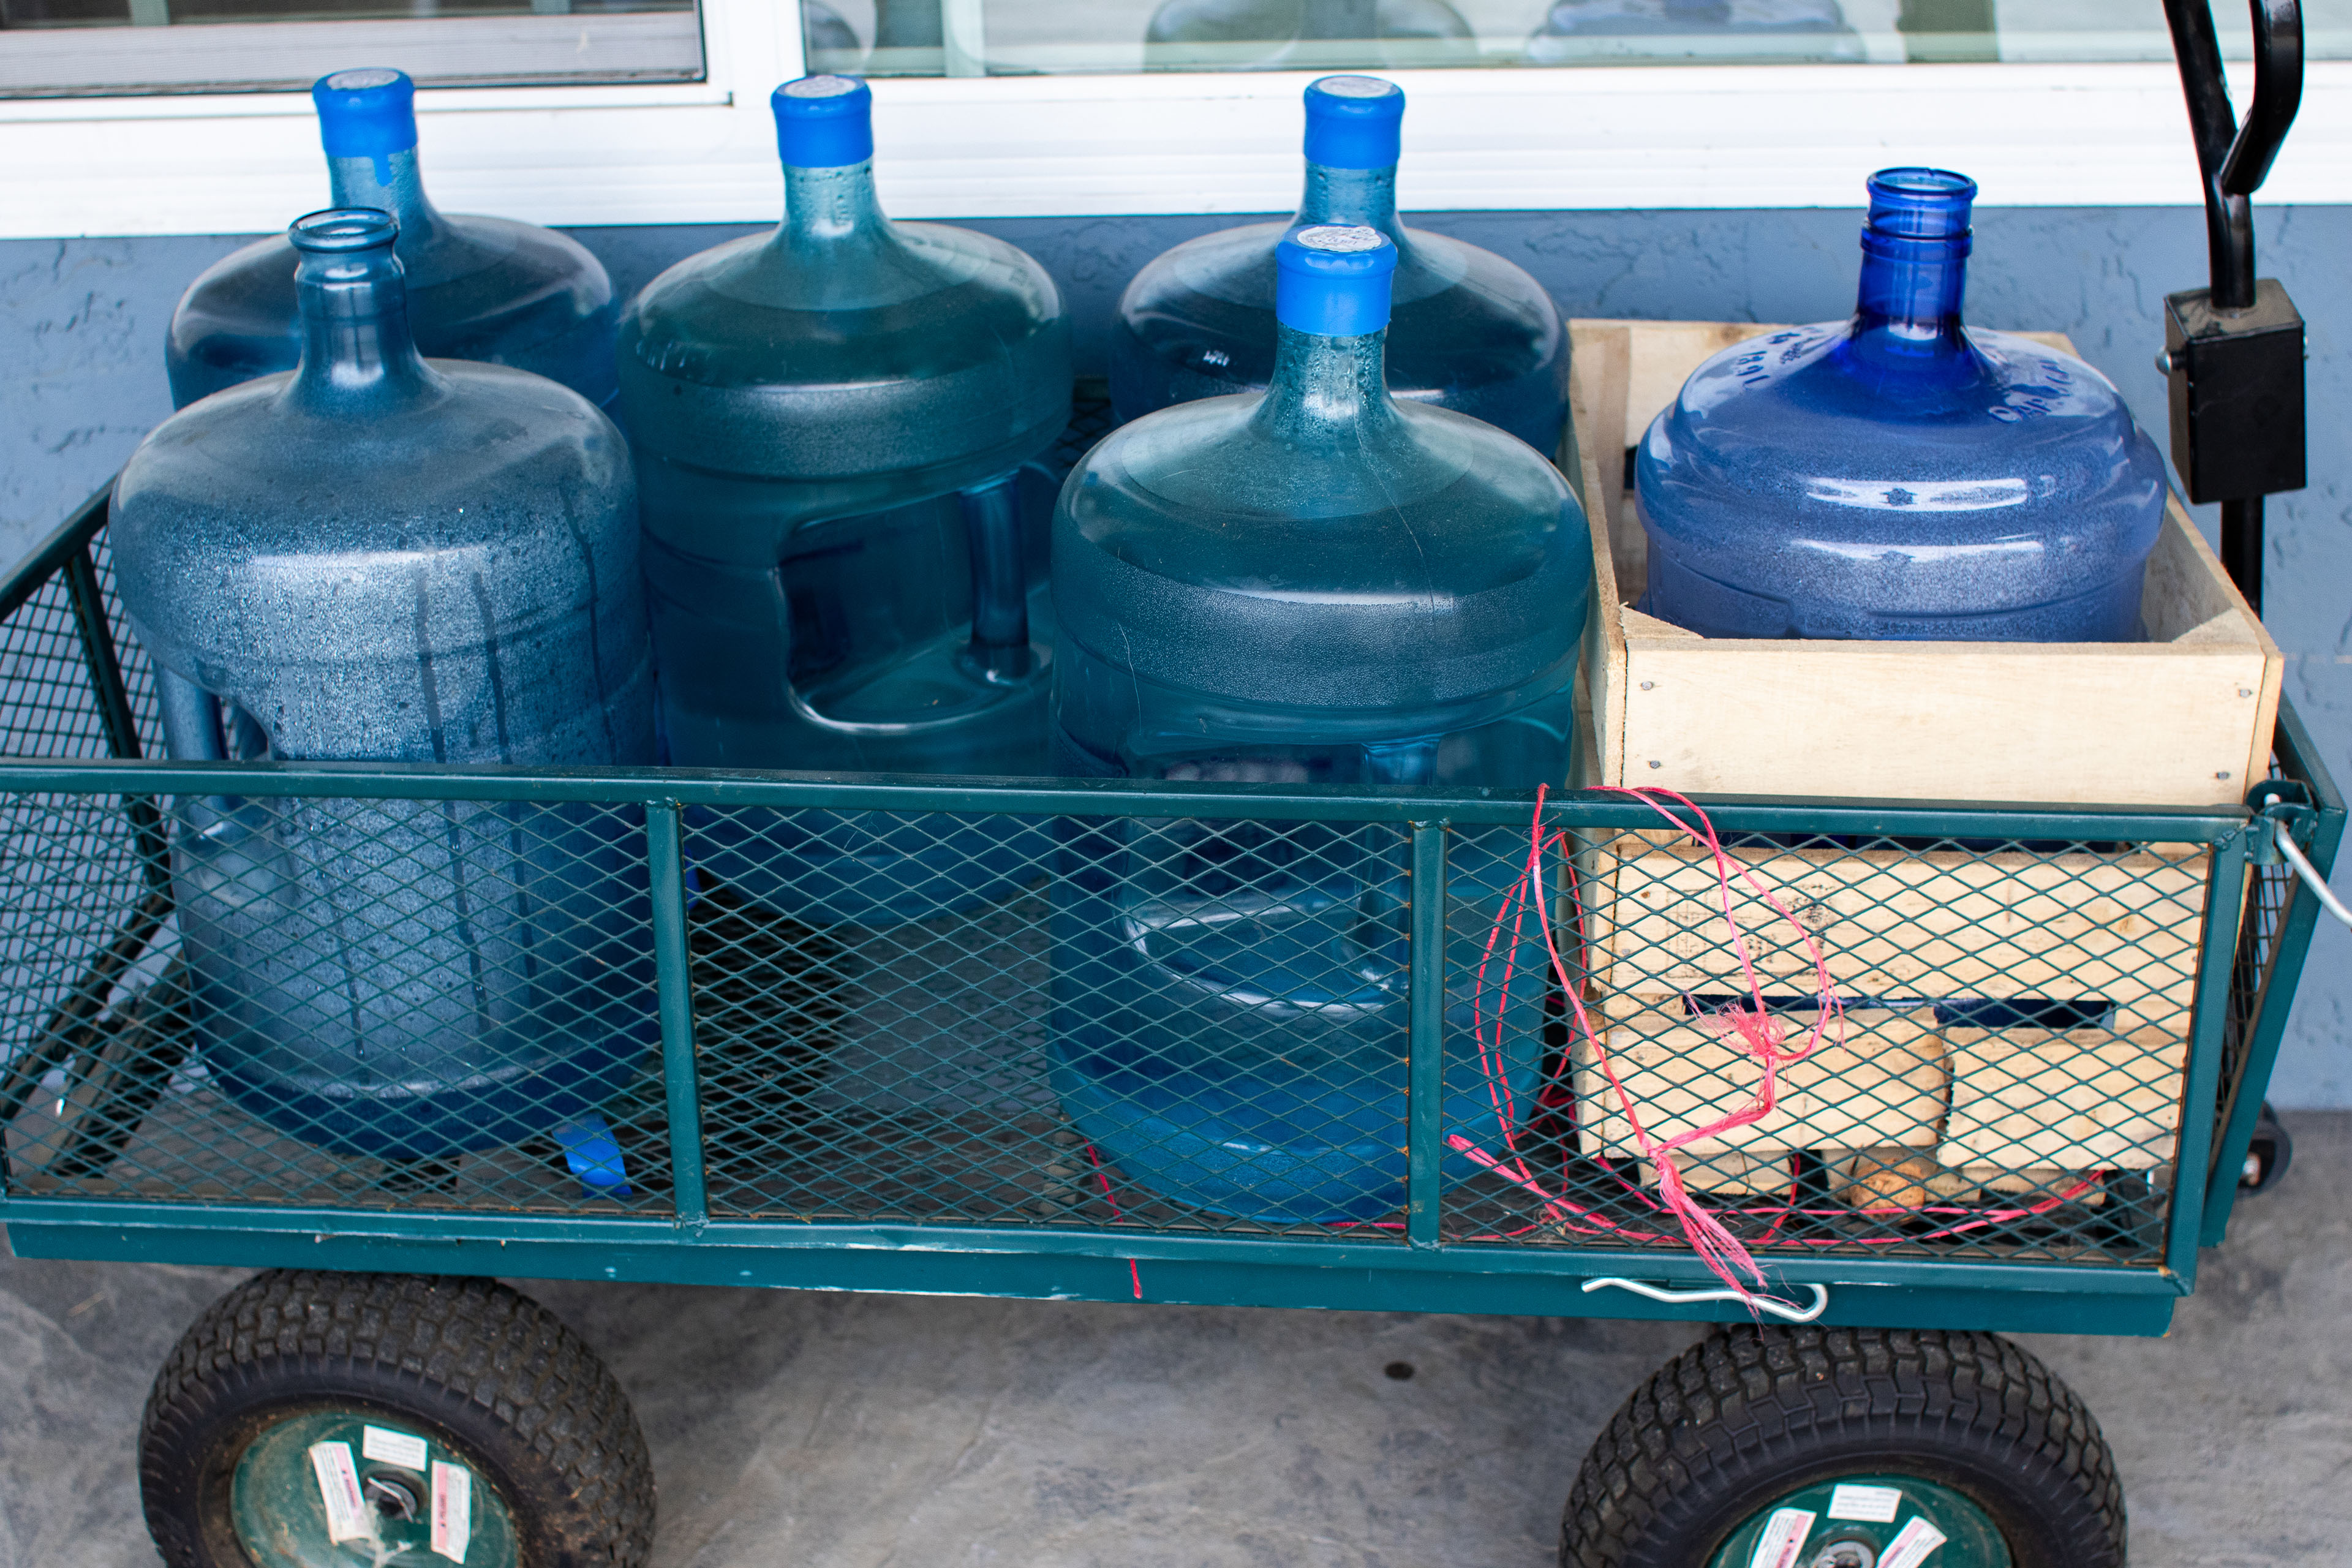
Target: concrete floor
(866,1431)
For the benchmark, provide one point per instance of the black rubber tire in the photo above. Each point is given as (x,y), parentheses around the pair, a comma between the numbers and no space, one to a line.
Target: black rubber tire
(1750,1415)
(2271,1149)
(485,1368)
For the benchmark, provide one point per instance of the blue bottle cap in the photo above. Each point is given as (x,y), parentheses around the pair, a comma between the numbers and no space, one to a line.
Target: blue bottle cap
(824,121)
(1352,121)
(1911,205)
(366,113)
(1333,281)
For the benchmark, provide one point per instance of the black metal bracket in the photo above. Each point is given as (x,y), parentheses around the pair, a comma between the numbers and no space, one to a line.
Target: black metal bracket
(2233,353)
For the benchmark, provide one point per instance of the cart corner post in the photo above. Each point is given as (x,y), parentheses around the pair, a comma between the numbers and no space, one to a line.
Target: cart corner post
(673,990)
(1425,1038)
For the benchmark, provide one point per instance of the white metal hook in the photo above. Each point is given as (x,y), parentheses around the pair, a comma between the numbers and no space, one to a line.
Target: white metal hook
(1787,1310)
(2310,873)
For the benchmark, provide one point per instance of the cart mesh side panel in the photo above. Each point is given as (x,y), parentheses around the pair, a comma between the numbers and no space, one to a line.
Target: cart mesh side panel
(1196,1014)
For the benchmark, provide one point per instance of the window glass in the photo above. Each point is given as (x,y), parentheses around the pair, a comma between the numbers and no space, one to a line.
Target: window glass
(51,48)
(1020,37)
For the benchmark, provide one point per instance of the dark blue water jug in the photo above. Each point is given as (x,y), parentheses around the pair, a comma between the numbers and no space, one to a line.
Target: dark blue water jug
(1471,331)
(381,558)
(1307,35)
(1318,584)
(1899,475)
(831,422)
(483,289)
(1579,31)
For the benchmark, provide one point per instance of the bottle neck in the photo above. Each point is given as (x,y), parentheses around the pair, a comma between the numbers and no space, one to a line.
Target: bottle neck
(1325,388)
(1354,197)
(393,184)
(358,357)
(833,212)
(1908,306)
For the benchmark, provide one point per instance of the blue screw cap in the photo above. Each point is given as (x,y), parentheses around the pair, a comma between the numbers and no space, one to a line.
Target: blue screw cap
(1352,121)
(1333,281)
(824,121)
(366,113)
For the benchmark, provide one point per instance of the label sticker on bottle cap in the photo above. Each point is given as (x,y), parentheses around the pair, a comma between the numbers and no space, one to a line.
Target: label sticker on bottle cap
(1910,1547)
(362,80)
(1784,1537)
(1356,87)
(1346,240)
(453,1510)
(820,86)
(349,1518)
(384,1447)
(1871,1505)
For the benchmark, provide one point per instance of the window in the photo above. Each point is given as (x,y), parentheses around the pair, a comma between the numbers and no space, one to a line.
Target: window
(72,47)
(1029,38)
(1053,108)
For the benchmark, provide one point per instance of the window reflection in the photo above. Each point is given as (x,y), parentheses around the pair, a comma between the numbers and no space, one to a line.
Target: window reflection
(1014,37)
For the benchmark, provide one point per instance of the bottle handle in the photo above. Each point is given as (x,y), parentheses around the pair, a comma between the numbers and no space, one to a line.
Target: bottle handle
(999,654)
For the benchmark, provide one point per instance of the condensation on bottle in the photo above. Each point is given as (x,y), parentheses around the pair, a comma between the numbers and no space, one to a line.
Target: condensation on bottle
(1470,330)
(838,425)
(1318,584)
(486,289)
(378,558)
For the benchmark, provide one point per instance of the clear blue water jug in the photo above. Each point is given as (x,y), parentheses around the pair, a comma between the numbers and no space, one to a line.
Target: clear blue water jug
(831,423)
(378,557)
(1320,583)
(1579,31)
(1307,35)
(1471,331)
(487,289)
(1899,475)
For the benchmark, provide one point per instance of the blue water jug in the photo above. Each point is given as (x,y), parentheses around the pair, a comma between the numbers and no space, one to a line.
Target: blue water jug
(831,423)
(486,289)
(1471,331)
(381,558)
(1579,31)
(1307,35)
(1900,475)
(1318,584)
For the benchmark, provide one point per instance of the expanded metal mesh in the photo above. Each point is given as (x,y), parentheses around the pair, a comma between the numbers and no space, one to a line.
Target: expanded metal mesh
(1199,1024)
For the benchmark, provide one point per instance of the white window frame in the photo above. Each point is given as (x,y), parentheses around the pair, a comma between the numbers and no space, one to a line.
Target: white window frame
(1562,138)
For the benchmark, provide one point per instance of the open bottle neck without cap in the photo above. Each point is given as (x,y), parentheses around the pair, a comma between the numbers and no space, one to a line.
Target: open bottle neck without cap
(1331,310)
(1915,257)
(367,123)
(358,357)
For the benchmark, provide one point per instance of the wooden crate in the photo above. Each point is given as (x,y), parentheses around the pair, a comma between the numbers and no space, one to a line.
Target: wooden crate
(2183,718)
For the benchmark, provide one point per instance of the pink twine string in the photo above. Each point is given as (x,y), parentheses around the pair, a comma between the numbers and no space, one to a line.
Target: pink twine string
(1134,1274)
(1748,1025)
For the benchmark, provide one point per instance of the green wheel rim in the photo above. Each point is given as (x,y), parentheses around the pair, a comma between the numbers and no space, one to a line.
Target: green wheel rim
(280,1506)
(1866,1521)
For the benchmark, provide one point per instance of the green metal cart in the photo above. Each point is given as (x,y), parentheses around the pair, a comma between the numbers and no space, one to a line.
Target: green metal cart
(883,1109)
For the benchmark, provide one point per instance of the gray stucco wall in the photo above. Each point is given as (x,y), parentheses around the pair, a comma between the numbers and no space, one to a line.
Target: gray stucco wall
(81,327)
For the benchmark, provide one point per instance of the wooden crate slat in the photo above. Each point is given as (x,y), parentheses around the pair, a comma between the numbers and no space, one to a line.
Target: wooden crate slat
(1886,1083)
(2078,1100)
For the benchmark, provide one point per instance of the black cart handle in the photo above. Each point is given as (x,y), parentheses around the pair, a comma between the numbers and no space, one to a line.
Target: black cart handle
(2235,159)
